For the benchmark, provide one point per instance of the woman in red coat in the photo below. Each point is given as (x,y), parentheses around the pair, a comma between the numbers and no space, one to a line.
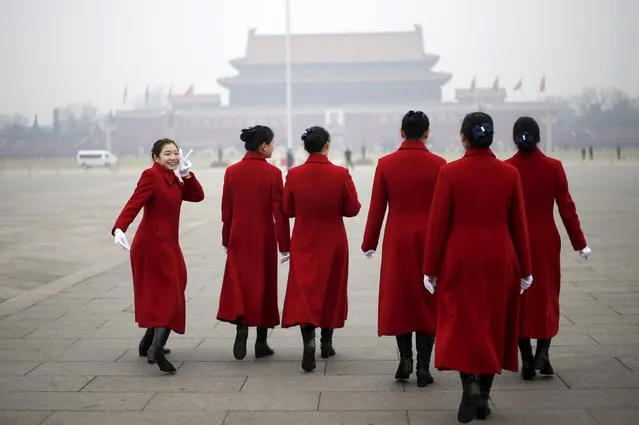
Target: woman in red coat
(477,254)
(405,181)
(157,263)
(253,225)
(318,195)
(544,182)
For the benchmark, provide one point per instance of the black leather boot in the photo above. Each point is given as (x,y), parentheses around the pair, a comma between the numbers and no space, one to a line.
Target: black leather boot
(326,343)
(542,358)
(308,355)
(155,353)
(261,345)
(485,384)
(241,335)
(471,398)
(424,343)
(527,360)
(405,346)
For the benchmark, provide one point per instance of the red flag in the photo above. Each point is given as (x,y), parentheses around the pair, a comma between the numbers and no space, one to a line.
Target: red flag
(496,84)
(146,95)
(542,85)
(473,84)
(190,91)
(518,86)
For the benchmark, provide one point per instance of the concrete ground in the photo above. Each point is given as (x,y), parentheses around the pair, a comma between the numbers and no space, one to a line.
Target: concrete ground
(68,342)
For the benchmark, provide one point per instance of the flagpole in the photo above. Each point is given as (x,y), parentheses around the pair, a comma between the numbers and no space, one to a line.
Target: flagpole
(289,112)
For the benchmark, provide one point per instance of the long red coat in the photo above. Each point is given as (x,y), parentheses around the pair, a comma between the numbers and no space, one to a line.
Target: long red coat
(157,263)
(405,180)
(544,182)
(253,224)
(477,245)
(318,195)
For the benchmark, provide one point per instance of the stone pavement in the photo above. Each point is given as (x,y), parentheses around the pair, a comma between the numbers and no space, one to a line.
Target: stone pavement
(68,342)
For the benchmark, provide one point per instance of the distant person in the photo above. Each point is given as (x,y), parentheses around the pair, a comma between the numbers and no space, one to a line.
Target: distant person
(253,226)
(348,156)
(405,181)
(583,154)
(157,263)
(591,152)
(618,152)
(544,182)
(477,259)
(318,195)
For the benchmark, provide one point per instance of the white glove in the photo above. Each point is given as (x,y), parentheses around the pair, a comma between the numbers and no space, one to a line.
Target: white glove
(585,253)
(369,253)
(120,239)
(185,166)
(284,257)
(225,250)
(430,282)
(525,283)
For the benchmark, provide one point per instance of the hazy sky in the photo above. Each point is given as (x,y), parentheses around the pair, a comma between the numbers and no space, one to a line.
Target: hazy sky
(56,52)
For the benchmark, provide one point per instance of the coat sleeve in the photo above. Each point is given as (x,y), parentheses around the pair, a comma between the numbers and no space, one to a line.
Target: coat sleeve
(518,224)
(227,211)
(439,223)
(350,203)
(376,212)
(288,200)
(192,190)
(568,211)
(282,224)
(141,195)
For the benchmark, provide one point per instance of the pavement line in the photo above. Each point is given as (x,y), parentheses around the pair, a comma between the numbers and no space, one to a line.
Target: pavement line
(34,296)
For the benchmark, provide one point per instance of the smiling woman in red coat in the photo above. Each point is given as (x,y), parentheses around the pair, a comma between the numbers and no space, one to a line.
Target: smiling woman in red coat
(253,224)
(477,254)
(544,182)
(318,195)
(157,263)
(405,181)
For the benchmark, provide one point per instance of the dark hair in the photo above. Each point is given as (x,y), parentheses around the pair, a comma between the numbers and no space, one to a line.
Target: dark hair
(415,124)
(156,150)
(315,138)
(526,134)
(254,136)
(478,129)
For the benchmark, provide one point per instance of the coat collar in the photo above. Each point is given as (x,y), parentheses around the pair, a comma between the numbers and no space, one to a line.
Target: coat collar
(413,144)
(318,158)
(254,155)
(169,176)
(479,152)
(534,152)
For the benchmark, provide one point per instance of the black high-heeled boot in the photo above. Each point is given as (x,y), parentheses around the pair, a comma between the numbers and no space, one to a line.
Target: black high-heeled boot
(542,358)
(262,348)
(527,360)
(326,343)
(308,355)
(241,335)
(485,385)
(424,344)
(471,398)
(405,347)
(156,350)
(145,343)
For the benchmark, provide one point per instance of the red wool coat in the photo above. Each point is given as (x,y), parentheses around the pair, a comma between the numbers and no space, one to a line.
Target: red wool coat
(157,263)
(544,182)
(318,195)
(405,181)
(253,226)
(477,245)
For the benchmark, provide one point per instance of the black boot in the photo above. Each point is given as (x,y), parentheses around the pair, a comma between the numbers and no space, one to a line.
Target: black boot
(145,343)
(405,346)
(485,384)
(241,335)
(527,360)
(261,346)
(424,343)
(308,355)
(155,353)
(542,358)
(471,398)
(326,343)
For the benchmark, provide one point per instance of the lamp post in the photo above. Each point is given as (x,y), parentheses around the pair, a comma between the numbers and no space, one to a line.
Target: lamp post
(289,112)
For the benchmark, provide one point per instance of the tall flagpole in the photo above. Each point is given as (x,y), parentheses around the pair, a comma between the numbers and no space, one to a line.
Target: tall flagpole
(289,112)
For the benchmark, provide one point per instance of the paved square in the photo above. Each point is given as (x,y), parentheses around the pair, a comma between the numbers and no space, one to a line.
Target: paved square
(68,342)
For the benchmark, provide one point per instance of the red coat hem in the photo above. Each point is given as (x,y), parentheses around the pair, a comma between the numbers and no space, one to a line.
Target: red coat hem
(240,319)
(147,325)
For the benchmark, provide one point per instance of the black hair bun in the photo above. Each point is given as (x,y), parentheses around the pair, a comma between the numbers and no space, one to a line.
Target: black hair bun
(248,134)
(483,130)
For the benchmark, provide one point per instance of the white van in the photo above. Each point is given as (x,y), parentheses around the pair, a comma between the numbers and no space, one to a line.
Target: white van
(87,159)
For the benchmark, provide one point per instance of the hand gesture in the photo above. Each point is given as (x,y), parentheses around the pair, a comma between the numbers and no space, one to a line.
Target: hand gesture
(120,240)
(585,253)
(185,166)
(430,282)
(525,283)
